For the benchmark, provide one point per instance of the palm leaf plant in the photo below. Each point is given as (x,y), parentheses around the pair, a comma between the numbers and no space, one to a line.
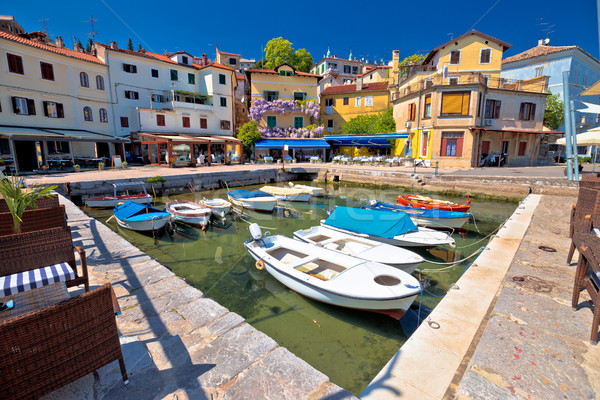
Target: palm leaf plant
(18,198)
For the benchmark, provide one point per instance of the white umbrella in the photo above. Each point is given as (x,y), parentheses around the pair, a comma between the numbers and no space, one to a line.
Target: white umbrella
(587,138)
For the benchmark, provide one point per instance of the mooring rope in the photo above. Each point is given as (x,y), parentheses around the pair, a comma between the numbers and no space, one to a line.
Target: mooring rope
(450,264)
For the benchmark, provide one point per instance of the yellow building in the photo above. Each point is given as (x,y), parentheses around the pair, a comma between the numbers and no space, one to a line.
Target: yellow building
(456,109)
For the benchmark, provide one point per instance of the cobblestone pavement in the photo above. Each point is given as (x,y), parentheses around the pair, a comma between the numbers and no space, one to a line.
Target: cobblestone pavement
(177,343)
(534,345)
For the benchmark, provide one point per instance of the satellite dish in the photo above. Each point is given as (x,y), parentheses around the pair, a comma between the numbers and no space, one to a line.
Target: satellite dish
(547,40)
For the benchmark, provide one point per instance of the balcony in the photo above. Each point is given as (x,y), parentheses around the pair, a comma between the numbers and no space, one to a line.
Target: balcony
(191,101)
(534,85)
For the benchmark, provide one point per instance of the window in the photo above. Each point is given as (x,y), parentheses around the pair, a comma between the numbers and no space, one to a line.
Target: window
(286,73)
(299,96)
(412,111)
(270,95)
(329,102)
(454,57)
(47,71)
(485,56)
(53,110)
(84,80)
(485,79)
(131,95)
(203,123)
(58,147)
(347,69)
(225,125)
(154,73)
(191,79)
(185,121)
(99,82)
(522,148)
(333,66)
(479,104)
(428,83)
(160,120)
(298,122)
(492,109)
(158,98)
(368,101)
(455,103)
(23,106)
(15,64)
(222,79)
(329,125)
(539,71)
(355,70)
(527,112)
(174,75)
(357,102)
(184,60)
(223,101)
(427,107)
(232,61)
(453,80)
(346,101)
(129,68)
(4,146)
(103,115)
(87,114)
(271,121)
(124,122)
(452,143)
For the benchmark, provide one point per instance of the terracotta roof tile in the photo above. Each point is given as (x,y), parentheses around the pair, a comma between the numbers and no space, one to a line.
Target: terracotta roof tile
(230,54)
(536,52)
(58,50)
(272,71)
(367,87)
(369,69)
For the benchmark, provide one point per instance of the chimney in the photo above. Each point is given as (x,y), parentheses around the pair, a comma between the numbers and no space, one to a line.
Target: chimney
(204,59)
(359,83)
(395,67)
(60,43)
(113,45)
(77,47)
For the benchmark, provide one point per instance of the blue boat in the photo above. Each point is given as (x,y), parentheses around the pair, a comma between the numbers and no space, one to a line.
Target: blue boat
(140,217)
(431,218)
(252,199)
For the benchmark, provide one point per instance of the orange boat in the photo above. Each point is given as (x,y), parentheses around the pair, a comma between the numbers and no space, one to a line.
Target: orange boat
(412,200)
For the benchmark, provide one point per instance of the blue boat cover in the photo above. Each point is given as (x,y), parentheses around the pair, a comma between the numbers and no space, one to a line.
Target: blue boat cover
(247,194)
(385,224)
(130,208)
(425,212)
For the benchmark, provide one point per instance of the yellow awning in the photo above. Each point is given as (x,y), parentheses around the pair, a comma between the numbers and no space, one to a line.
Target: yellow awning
(592,91)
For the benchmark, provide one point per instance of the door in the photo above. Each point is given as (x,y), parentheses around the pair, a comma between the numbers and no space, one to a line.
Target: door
(153,153)
(485,148)
(102,150)
(424,144)
(26,156)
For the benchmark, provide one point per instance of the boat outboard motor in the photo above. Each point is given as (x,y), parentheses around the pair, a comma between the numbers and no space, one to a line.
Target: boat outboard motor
(255,231)
(372,202)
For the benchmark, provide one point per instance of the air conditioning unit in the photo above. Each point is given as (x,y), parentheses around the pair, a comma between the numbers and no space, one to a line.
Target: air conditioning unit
(407,125)
(488,121)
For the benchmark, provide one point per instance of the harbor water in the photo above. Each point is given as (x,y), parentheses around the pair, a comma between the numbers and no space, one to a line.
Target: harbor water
(349,346)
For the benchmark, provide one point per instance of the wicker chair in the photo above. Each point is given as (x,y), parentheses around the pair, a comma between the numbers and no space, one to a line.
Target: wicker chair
(42,202)
(34,220)
(49,348)
(587,275)
(30,250)
(587,202)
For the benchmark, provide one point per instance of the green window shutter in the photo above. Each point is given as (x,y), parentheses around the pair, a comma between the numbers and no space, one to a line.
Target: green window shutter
(282,73)
(223,101)
(271,121)
(174,75)
(222,79)
(191,79)
(298,122)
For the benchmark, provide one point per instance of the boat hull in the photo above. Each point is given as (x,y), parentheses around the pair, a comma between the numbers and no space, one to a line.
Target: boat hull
(266,204)
(313,190)
(187,212)
(413,201)
(305,197)
(151,225)
(109,201)
(218,209)
(446,223)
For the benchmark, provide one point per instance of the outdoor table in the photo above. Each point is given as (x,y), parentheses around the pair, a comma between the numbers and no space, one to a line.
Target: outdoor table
(34,299)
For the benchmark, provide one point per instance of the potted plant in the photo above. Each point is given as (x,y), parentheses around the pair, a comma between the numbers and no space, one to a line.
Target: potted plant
(18,198)
(124,164)
(76,168)
(100,165)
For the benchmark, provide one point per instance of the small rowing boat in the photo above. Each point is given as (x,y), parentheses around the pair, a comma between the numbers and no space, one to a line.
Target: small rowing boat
(252,199)
(219,207)
(287,193)
(189,213)
(109,201)
(416,201)
(428,217)
(333,278)
(313,190)
(140,217)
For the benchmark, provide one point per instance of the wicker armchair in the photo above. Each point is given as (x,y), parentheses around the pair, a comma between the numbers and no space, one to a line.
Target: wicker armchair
(587,275)
(34,220)
(47,349)
(588,206)
(42,202)
(30,250)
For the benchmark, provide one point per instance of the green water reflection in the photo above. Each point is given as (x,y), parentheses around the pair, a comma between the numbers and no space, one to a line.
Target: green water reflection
(349,346)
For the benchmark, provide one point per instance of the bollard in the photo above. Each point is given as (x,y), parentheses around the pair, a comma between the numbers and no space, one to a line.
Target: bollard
(437,163)
(414,167)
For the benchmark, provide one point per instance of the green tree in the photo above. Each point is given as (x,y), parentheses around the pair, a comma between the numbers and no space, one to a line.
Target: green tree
(371,123)
(18,199)
(410,60)
(302,60)
(140,48)
(130,45)
(88,46)
(554,115)
(249,134)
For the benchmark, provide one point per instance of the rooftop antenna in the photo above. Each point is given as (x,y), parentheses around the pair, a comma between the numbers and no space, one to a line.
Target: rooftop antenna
(451,34)
(43,21)
(547,27)
(93,33)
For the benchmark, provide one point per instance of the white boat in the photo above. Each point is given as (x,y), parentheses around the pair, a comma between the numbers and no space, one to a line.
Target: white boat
(333,278)
(428,217)
(287,193)
(140,217)
(219,207)
(252,199)
(366,249)
(313,190)
(189,213)
(386,227)
(109,201)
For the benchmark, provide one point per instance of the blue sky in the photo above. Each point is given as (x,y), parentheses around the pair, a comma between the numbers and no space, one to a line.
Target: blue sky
(371,30)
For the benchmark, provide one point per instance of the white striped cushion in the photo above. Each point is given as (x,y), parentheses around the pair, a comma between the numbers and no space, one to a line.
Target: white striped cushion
(35,278)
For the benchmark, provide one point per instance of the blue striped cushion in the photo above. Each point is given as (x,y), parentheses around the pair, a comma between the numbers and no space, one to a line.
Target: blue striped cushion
(36,278)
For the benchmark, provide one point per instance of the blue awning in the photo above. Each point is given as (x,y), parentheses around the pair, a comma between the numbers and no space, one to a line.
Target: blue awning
(364,140)
(292,144)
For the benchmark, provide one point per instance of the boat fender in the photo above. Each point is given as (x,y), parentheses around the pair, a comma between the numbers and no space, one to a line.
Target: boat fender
(260,265)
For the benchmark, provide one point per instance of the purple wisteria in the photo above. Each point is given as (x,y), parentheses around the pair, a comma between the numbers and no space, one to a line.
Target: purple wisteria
(310,131)
(261,106)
